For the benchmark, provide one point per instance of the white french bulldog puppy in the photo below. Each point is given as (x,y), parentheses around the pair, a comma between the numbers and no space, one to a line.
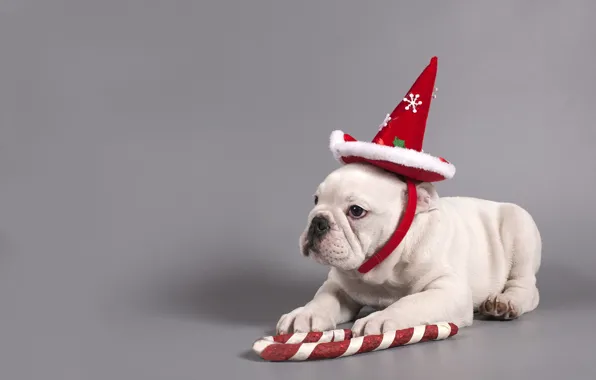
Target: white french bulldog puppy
(460,255)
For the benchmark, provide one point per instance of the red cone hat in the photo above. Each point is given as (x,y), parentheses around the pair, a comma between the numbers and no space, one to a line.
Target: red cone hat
(397,147)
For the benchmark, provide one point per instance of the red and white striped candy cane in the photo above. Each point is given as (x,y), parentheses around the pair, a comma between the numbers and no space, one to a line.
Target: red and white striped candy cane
(340,343)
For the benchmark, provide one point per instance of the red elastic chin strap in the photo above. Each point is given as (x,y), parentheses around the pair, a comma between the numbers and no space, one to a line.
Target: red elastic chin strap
(400,232)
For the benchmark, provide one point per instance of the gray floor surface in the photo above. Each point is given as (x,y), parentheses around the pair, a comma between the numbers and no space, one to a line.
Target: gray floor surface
(552,342)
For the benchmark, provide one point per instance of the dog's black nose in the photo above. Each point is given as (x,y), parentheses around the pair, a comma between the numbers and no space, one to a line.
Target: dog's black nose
(319,226)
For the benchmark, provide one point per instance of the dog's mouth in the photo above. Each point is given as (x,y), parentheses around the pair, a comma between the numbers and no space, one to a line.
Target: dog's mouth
(311,247)
(308,247)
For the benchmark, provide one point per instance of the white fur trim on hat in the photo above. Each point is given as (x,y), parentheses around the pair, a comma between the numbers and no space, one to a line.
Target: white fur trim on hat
(402,156)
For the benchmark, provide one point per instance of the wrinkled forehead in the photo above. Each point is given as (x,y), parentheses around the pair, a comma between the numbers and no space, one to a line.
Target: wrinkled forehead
(350,184)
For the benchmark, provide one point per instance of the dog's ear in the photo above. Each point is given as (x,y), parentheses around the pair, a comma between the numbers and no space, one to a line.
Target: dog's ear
(427,197)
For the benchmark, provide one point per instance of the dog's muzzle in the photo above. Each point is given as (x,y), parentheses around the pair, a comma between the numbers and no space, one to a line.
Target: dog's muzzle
(319,226)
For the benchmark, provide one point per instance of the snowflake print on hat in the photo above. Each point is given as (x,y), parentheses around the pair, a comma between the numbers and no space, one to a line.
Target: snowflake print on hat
(385,121)
(413,102)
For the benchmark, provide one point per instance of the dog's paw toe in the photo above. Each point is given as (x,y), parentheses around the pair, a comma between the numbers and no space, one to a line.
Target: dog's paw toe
(302,320)
(499,307)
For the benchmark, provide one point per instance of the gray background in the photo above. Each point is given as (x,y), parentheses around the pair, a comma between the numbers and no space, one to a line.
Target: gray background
(157,161)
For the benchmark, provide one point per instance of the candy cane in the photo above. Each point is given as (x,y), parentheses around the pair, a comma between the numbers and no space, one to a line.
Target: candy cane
(340,343)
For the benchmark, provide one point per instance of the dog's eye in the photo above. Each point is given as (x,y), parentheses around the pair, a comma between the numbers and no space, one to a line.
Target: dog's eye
(356,212)
(316,199)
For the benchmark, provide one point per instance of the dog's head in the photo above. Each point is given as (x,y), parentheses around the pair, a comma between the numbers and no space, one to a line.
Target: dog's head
(357,208)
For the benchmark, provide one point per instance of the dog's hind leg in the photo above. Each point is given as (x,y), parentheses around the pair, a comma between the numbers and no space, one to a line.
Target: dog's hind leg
(520,293)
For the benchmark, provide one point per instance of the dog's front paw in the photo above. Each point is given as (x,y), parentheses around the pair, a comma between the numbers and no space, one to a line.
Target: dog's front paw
(303,319)
(375,323)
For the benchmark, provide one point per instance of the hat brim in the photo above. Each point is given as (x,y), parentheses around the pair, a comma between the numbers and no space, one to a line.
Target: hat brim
(407,162)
